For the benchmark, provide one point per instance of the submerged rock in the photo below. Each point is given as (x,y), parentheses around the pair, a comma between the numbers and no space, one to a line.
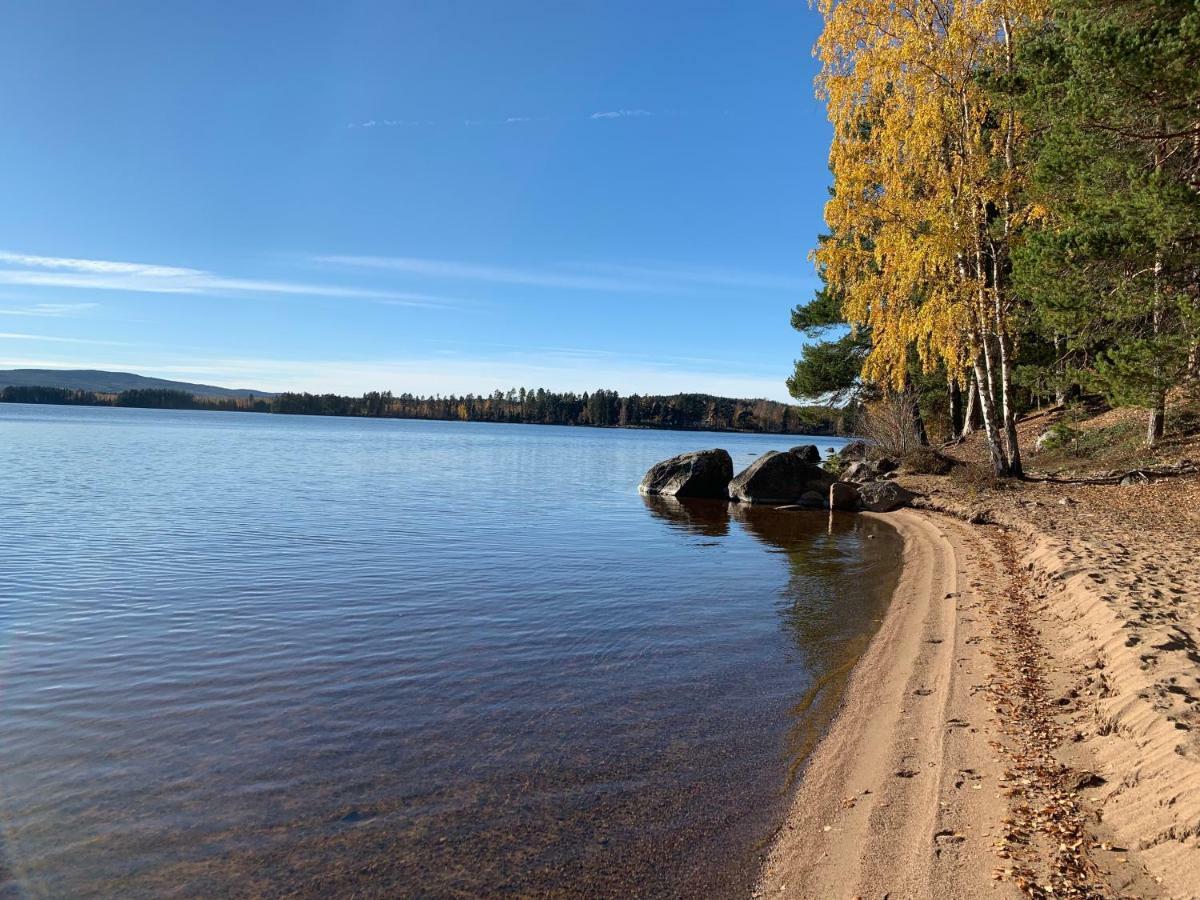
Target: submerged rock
(812,500)
(779,478)
(843,496)
(698,515)
(701,473)
(884,496)
(807,452)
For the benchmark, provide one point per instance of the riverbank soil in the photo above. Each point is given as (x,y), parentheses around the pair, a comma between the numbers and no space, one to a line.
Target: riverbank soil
(1027,721)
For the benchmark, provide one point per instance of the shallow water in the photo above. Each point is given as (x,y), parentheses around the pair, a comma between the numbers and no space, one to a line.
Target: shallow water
(246,654)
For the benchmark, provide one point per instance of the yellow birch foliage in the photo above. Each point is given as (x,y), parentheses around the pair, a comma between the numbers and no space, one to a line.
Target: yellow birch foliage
(922,167)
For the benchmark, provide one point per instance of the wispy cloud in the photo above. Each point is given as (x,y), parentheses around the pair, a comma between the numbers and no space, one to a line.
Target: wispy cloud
(438,268)
(390,123)
(708,276)
(656,279)
(55,339)
(622,114)
(49,310)
(95,266)
(109,275)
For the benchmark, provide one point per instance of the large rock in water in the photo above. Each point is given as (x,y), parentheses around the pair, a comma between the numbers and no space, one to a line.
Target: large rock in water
(701,473)
(884,496)
(844,496)
(779,478)
(807,452)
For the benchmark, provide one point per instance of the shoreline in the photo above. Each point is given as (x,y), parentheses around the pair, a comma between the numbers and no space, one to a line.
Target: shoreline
(1005,734)
(865,819)
(451,420)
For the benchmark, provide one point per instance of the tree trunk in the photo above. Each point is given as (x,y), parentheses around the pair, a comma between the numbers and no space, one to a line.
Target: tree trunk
(1060,373)
(1010,412)
(1004,342)
(972,418)
(1158,419)
(956,412)
(1158,413)
(918,420)
(988,385)
(999,463)
(984,368)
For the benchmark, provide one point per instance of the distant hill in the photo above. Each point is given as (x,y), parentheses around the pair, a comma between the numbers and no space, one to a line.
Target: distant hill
(113,382)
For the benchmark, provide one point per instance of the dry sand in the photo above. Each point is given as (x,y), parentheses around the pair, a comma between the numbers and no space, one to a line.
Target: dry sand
(1025,722)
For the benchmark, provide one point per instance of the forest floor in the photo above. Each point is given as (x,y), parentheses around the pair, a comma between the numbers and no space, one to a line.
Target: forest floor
(1027,721)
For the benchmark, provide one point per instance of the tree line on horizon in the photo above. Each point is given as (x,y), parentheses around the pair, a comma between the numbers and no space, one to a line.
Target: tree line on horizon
(1014,217)
(601,408)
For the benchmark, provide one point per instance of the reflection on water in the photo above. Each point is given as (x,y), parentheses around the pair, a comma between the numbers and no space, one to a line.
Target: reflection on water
(251,655)
(706,517)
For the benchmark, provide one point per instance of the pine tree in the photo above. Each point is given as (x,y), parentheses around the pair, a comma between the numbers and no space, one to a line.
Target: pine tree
(829,367)
(1113,87)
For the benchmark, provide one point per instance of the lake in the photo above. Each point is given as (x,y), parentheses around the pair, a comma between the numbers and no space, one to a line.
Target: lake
(271,655)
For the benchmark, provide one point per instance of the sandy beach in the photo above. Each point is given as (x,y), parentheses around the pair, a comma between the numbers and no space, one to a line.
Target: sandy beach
(1024,722)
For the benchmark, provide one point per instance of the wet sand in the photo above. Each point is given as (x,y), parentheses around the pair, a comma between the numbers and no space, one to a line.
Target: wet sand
(1021,725)
(900,796)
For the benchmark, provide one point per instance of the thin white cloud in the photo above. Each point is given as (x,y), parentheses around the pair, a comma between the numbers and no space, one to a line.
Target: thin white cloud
(622,114)
(710,276)
(95,266)
(389,123)
(55,339)
(439,268)
(98,274)
(48,310)
(512,120)
(659,279)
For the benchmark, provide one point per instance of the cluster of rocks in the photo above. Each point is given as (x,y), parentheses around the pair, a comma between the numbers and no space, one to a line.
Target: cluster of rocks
(794,479)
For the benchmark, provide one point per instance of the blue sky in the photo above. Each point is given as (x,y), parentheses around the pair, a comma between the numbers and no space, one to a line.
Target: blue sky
(427,197)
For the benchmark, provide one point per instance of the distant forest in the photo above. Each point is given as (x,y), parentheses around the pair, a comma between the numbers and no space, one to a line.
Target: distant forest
(600,408)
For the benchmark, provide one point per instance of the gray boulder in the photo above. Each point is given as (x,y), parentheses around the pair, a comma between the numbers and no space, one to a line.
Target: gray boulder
(779,478)
(843,496)
(702,473)
(869,470)
(854,450)
(812,500)
(884,496)
(807,452)
(859,473)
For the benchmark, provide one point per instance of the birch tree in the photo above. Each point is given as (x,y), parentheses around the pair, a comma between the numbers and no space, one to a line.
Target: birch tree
(927,191)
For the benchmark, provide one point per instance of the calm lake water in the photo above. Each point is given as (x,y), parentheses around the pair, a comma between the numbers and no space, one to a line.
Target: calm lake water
(267,655)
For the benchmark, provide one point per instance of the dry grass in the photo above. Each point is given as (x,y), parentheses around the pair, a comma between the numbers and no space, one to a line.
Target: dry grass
(927,461)
(888,424)
(1099,439)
